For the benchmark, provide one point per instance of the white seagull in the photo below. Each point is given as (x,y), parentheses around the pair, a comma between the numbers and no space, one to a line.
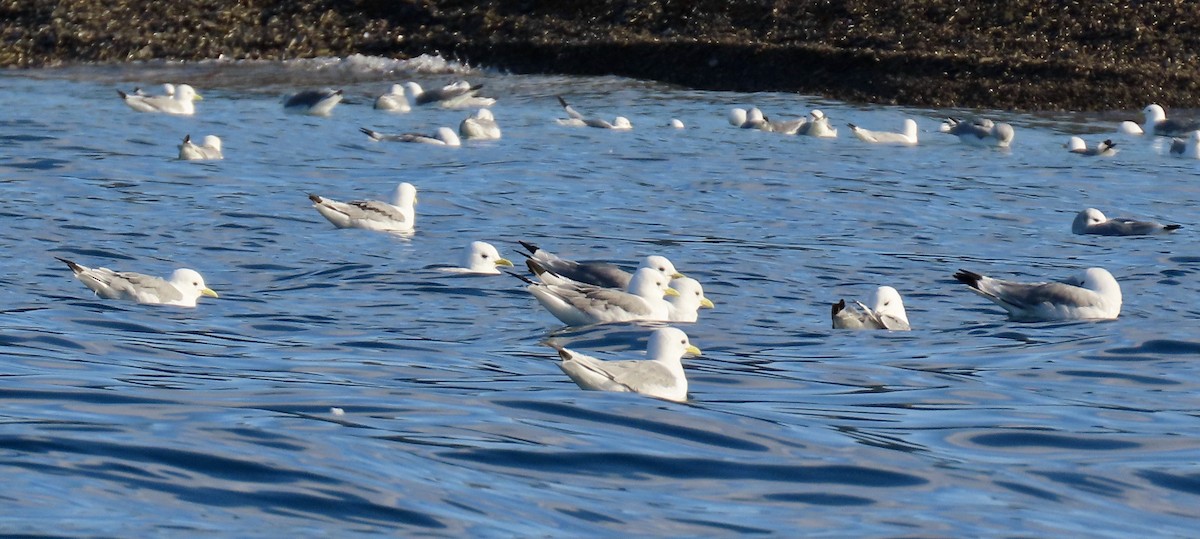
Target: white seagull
(686,306)
(582,304)
(980,132)
(313,102)
(886,312)
(456,95)
(660,375)
(182,102)
(1107,148)
(183,288)
(481,258)
(211,149)
(1158,124)
(602,274)
(443,137)
(748,119)
(393,101)
(398,216)
(1090,294)
(576,119)
(907,137)
(480,126)
(1188,147)
(1092,221)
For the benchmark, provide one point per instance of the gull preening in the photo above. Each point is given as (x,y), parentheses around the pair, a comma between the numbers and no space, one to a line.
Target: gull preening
(480,126)
(1158,124)
(886,312)
(1090,294)
(210,150)
(817,127)
(686,306)
(980,132)
(578,304)
(481,258)
(1188,147)
(443,137)
(600,274)
(313,102)
(1092,221)
(660,375)
(393,100)
(397,216)
(456,95)
(907,137)
(1106,148)
(577,119)
(183,288)
(182,102)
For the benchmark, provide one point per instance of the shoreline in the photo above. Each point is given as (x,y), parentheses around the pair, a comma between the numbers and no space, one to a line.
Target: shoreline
(944,53)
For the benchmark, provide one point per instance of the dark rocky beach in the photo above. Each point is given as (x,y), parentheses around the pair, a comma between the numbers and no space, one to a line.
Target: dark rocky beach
(1020,55)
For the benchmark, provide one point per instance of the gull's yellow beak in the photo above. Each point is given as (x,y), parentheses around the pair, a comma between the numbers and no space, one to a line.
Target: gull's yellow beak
(198,97)
(208,292)
(678,275)
(671,292)
(504,262)
(706,303)
(691,349)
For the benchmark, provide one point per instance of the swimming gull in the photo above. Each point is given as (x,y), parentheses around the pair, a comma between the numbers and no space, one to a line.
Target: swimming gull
(886,312)
(1090,294)
(1158,124)
(183,288)
(211,149)
(686,306)
(1092,221)
(393,101)
(481,258)
(600,274)
(456,95)
(582,304)
(480,126)
(576,119)
(313,102)
(182,102)
(398,216)
(660,375)
(1107,148)
(908,136)
(443,137)
(1188,147)
(980,132)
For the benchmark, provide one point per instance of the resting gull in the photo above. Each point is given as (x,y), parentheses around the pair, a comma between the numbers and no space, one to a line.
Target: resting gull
(182,102)
(211,149)
(1158,124)
(1107,148)
(313,102)
(686,306)
(886,312)
(481,258)
(600,274)
(393,101)
(183,288)
(480,126)
(1091,294)
(443,137)
(660,375)
(980,132)
(581,304)
(1188,147)
(456,95)
(398,216)
(908,136)
(1092,221)
(577,119)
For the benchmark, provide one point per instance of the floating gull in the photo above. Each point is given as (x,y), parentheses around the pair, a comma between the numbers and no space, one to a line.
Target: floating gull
(211,149)
(393,101)
(183,289)
(660,375)
(313,102)
(1158,124)
(1092,221)
(575,118)
(600,274)
(818,126)
(676,123)
(1105,149)
(444,137)
(887,312)
(980,132)
(909,136)
(1092,294)
(399,216)
(456,95)
(480,126)
(481,258)
(182,102)
(582,304)
(1188,147)
(686,306)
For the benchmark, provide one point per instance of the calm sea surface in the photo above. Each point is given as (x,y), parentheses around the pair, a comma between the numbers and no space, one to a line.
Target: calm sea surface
(127,420)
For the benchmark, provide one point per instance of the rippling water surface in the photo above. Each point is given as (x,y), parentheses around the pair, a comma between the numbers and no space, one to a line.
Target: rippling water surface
(128,420)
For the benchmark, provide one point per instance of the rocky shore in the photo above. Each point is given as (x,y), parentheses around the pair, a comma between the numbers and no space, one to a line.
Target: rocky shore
(1020,54)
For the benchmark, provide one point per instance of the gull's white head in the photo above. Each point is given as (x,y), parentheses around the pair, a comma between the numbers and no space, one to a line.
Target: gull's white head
(191,284)
(817,114)
(168,88)
(484,114)
(755,116)
(1076,144)
(413,88)
(737,117)
(887,302)
(1086,218)
(1154,113)
(212,141)
(650,284)
(622,122)
(1100,281)
(1004,134)
(482,257)
(1130,128)
(448,136)
(405,195)
(676,123)
(185,92)
(670,343)
(691,298)
(397,89)
(662,266)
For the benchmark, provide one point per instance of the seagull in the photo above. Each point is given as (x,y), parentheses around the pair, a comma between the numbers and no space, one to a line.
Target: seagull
(1091,294)
(1078,146)
(481,258)
(1092,221)
(1188,147)
(749,119)
(456,95)
(1158,124)
(578,304)
(480,126)
(444,137)
(980,132)
(575,118)
(602,274)
(887,312)
(398,216)
(183,288)
(182,102)
(818,126)
(393,101)
(313,102)
(676,123)
(686,306)
(907,137)
(660,375)
(211,149)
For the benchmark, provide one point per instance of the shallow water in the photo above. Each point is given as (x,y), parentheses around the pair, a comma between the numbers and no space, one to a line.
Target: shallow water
(128,420)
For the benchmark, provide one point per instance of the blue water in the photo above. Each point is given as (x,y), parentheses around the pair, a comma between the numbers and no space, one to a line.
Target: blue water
(126,420)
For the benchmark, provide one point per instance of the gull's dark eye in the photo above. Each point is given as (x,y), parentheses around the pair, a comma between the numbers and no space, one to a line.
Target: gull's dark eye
(683,341)
(484,255)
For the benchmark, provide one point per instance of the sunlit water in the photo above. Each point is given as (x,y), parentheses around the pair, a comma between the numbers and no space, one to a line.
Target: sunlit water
(128,420)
